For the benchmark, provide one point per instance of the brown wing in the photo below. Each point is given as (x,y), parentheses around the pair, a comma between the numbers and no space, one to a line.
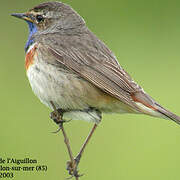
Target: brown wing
(93,61)
(89,58)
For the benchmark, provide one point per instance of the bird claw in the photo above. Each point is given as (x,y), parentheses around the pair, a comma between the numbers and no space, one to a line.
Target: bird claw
(72,169)
(56,116)
(59,128)
(60,123)
(74,176)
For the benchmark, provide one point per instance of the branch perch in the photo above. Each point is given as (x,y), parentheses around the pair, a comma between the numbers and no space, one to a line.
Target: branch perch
(66,141)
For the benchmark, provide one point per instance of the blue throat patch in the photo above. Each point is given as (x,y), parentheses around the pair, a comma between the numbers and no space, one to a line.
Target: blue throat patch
(32,30)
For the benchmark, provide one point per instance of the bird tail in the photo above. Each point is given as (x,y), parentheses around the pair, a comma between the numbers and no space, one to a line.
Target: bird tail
(148,105)
(167,114)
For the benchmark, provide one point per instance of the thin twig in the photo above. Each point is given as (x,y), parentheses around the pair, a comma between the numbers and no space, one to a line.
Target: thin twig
(66,140)
(85,143)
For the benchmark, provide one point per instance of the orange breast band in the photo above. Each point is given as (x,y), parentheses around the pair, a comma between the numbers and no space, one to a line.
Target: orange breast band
(29,60)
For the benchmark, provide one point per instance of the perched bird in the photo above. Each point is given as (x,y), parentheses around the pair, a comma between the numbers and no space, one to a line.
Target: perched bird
(68,65)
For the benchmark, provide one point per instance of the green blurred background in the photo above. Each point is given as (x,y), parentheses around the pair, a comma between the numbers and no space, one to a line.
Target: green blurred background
(145,36)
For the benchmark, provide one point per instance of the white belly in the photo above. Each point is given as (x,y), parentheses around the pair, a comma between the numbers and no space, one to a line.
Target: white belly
(50,84)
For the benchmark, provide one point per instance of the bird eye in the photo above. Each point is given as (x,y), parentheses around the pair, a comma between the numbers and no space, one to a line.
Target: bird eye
(39,18)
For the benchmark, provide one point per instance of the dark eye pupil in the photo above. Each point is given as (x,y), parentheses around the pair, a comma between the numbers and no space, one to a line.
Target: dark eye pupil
(39,18)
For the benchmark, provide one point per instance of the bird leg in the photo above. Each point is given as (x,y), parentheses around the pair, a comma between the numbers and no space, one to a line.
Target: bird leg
(56,115)
(79,155)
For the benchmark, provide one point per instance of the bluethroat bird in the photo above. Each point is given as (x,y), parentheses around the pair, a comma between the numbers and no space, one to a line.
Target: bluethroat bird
(68,65)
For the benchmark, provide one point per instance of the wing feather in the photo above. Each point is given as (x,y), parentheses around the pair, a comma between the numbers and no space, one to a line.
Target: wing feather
(88,57)
(107,77)
(85,55)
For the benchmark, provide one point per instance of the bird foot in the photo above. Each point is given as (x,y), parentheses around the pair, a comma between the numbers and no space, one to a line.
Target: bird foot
(72,167)
(56,116)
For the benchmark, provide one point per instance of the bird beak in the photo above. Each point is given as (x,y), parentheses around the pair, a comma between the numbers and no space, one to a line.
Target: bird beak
(22,16)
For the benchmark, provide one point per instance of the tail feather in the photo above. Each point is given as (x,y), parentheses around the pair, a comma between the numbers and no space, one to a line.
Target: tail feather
(167,113)
(149,106)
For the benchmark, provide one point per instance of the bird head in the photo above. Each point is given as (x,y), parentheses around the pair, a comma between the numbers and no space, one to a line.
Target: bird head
(47,14)
(50,17)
